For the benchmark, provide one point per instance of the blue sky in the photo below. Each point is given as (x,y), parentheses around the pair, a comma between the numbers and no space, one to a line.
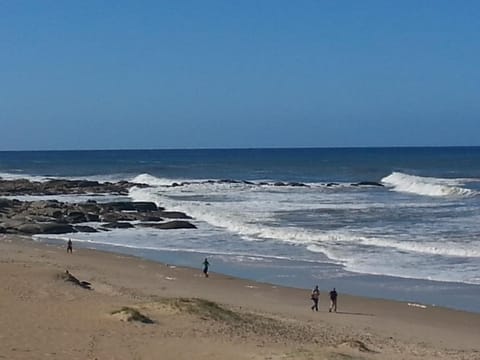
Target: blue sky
(229,74)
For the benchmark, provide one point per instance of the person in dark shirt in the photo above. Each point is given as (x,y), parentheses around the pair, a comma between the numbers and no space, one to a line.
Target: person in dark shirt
(206,264)
(315,298)
(333,300)
(69,246)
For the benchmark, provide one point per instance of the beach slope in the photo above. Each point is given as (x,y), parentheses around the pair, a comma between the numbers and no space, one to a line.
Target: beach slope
(111,306)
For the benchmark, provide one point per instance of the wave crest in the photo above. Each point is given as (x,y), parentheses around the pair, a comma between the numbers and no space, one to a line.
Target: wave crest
(427,186)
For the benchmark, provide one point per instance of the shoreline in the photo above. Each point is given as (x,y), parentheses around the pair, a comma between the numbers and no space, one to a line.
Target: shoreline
(30,271)
(304,275)
(43,217)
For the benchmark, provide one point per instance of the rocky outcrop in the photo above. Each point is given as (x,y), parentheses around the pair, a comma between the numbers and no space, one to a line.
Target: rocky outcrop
(85,229)
(61,186)
(368,183)
(175,224)
(174,215)
(46,228)
(245,182)
(146,206)
(55,217)
(118,225)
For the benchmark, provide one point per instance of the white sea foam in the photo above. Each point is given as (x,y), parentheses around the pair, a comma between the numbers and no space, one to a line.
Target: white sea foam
(273,185)
(252,214)
(246,211)
(250,220)
(153,180)
(442,247)
(428,186)
(402,264)
(19,176)
(245,218)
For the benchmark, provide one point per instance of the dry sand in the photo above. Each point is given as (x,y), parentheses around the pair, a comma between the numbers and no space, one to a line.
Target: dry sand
(42,316)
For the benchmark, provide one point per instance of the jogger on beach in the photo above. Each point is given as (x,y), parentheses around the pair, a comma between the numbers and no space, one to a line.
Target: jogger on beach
(333,300)
(315,298)
(206,264)
(69,246)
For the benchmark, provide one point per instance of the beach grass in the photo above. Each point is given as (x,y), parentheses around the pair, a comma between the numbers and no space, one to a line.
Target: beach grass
(132,314)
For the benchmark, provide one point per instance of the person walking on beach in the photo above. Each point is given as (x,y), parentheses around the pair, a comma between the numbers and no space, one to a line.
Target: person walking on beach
(69,246)
(206,264)
(333,300)
(315,298)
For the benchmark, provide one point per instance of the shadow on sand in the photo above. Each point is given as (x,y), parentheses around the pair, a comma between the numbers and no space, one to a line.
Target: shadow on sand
(353,313)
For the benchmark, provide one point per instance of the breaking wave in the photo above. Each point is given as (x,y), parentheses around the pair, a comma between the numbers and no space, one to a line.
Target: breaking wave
(427,186)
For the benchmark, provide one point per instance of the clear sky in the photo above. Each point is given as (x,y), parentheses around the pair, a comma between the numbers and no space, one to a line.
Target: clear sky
(228,74)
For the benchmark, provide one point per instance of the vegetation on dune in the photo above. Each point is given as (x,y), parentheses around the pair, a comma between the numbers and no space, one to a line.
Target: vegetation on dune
(133,315)
(239,323)
(204,309)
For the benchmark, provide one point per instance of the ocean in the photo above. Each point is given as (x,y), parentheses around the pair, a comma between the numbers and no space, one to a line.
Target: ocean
(298,217)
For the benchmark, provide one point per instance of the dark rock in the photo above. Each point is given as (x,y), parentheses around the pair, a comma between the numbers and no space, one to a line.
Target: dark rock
(76,217)
(175,224)
(62,186)
(297,184)
(60,183)
(55,228)
(90,217)
(332,184)
(174,215)
(114,217)
(85,229)
(149,218)
(145,206)
(46,228)
(367,183)
(11,224)
(5,203)
(118,225)
(38,219)
(55,213)
(29,229)
(54,217)
(228,181)
(120,206)
(89,207)
(53,204)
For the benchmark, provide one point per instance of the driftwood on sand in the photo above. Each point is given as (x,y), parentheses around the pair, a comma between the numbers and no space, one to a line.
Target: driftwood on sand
(69,277)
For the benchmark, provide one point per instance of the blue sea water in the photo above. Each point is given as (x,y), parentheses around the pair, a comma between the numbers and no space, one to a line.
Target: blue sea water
(298,216)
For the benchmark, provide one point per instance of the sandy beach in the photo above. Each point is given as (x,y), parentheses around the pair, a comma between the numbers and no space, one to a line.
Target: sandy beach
(187,316)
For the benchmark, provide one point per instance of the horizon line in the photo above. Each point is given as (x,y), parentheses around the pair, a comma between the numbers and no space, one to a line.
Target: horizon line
(248,148)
